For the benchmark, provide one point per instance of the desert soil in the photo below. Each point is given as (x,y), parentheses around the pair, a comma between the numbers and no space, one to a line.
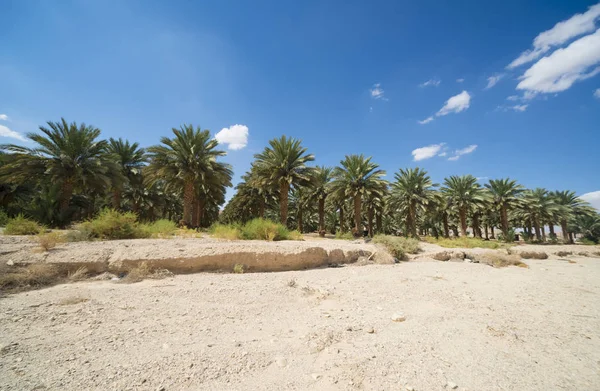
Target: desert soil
(466,325)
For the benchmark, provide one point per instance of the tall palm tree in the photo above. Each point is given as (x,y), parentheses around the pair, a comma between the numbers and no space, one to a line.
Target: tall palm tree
(538,207)
(283,163)
(504,194)
(66,154)
(463,192)
(568,204)
(355,176)
(184,161)
(412,188)
(131,159)
(319,189)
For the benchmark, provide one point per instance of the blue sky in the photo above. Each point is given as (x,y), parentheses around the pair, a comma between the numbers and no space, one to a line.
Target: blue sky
(404,82)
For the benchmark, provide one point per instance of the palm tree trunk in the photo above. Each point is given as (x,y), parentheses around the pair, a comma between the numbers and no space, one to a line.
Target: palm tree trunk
(446,228)
(485,227)
(116,201)
(412,211)
(342,228)
(357,207)
(551,229)
(261,210)
(536,226)
(370,218)
(463,221)
(564,229)
(476,229)
(378,222)
(188,201)
(322,216)
(300,225)
(504,220)
(195,212)
(455,231)
(492,236)
(284,189)
(66,194)
(543,233)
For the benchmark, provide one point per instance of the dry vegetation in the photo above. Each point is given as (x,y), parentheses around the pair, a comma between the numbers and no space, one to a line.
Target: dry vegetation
(49,240)
(256,229)
(463,242)
(533,255)
(144,271)
(35,276)
(398,246)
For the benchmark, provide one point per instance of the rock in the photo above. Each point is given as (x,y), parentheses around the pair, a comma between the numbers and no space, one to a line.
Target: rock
(450,385)
(409,388)
(281,362)
(316,376)
(398,317)
(10,262)
(370,330)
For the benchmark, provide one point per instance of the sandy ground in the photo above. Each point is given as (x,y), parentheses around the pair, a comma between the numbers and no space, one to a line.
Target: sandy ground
(466,325)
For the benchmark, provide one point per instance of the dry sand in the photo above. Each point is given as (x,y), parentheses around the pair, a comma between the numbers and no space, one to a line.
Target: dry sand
(466,325)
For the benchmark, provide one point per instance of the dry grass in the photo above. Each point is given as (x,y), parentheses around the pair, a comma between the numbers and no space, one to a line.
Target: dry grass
(143,272)
(292,283)
(49,240)
(498,259)
(564,253)
(239,268)
(533,255)
(34,276)
(71,300)
(78,275)
(571,261)
(462,242)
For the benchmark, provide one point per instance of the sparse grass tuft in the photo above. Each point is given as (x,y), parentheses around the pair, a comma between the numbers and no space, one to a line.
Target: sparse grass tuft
(344,236)
(21,225)
(49,240)
(3,218)
(162,228)
(257,229)
(32,276)
(497,259)
(79,274)
(533,255)
(144,271)
(71,300)
(586,242)
(239,268)
(398,246)
(463,242)
(225,231)
(292,283)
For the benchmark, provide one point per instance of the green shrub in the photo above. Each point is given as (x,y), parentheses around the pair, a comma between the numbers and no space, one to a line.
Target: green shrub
(262,229)
(49,240)
(295,235)
(586,241)
(344,236)
(398,246)
(508,239)
(463,242)
(160,228)
(22,226)
(239,268)
(81,233)
(112,224)
(552,238)
(225,231)
(3,218)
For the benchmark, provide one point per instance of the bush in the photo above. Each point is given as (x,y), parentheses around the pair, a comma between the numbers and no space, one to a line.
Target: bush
(586,241)
(3,218)
(33,276)
(112,224)
(160,228)
(552,238)
(225,231)
(398,246)
(239,268)
(344,236)
(533,255)
(508,239)
(463,242)
(257,229)
(22,226)
(497,259)
(49,240)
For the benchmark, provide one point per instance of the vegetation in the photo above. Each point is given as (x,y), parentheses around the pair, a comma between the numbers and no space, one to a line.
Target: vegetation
(69,174)
(20,225)
(463,242)
(398,246)
(49,240)
(256,229)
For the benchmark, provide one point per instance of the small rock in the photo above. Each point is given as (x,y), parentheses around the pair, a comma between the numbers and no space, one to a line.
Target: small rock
(281,362)
(370,330)
(398,317)
(409,388)
(316,376)
(10,262)
(451,385)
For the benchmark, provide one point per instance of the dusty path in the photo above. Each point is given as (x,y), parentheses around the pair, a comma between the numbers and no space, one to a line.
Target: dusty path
(478,327)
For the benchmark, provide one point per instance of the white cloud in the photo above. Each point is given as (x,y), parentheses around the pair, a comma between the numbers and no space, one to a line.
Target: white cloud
(430,82)
(593,198)
(493,80)
(426,152)
(460,80)
(520,108)
(513,97)
(481,178)
(426,120)
(562,32)
(236,137)
(561,69)
(377,92)
(464,151)
(442,154)
(6,132)
(456,104)
(3,117)
(597,93)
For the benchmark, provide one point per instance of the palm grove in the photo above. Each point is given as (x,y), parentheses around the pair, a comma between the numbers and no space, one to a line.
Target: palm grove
(70,174)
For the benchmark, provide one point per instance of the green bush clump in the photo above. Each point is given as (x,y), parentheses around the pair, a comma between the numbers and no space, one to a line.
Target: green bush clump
(112,224)
(225,231)
(463,242)
(160,228)
(3,218)
(398,246)
(257,229)
(21,225)
(344,236)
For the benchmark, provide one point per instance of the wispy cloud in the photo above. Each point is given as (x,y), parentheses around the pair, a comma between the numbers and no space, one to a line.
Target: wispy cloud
(3,117)
(377,92)
(482,178)
(593,198)
(597,93)
(6,132)
(442,154)
(520,108)
(561,33)
(426,120)
(513,97)
(464,151)
(427,152)
(561,69)
(456,104)
(235,137)
(430,83)
(493,80)
(460,80)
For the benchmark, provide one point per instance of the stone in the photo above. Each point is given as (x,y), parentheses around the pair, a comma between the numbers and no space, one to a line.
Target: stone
(281,362)
(452,386)
(10,262)
(410,388)
(316,376)
(398,317)
(370,330)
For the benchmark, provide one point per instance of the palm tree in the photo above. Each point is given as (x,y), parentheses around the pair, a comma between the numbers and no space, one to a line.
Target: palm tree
(568,204)
(284,163)
(504,194)
(319,189)
(538,206)
(66,154)
(463,192)
(355,177)
(412,188)
(184,162)
(131,159)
